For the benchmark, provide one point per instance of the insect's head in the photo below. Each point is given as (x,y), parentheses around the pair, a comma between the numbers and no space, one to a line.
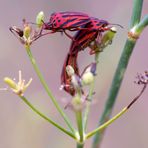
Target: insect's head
(98,24)
(103,23)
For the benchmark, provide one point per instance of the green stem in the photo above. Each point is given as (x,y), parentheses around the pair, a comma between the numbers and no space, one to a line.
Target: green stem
(124,110)
(79,119)
(80,125)
(80,145)
(91,90)
(87,108)
(48,90)
(106,124)
(136,14)
(119,74)
(46,118)
(143,23)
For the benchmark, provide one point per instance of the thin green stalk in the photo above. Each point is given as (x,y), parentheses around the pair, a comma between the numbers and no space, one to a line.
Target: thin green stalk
(87,108)
(47,118)
(106,124)
(124,110)
(69,124)
(119,74)
(136,12)
(79,119)
(80,125)
(91,90)
(79,145)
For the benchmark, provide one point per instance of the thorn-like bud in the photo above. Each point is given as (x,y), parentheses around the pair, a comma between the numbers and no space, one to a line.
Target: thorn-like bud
(17,31)
(40,19)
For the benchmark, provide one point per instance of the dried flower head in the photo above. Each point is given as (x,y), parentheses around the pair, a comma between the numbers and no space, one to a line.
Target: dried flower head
(142,78)
(27,35)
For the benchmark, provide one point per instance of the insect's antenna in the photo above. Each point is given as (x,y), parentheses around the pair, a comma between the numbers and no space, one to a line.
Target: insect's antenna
(118,25)
(26,22)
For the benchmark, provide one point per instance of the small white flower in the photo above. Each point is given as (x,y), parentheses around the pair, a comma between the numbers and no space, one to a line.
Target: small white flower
(20,87)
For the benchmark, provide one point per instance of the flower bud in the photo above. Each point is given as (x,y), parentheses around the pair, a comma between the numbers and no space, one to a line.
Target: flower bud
(27,31)
(87,78)
(10,83)
(89,74)
(77,103)
(108,36)
(18,88)
(40,19)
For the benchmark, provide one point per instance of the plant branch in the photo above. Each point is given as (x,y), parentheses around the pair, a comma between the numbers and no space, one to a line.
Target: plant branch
(91,90)
(124,110)
(142,24)
(136,12)
(119,74)
(46,118)
(48,90)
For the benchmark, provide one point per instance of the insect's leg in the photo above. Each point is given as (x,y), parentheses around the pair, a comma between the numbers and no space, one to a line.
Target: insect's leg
(40,35)
(94,47)
(72,38)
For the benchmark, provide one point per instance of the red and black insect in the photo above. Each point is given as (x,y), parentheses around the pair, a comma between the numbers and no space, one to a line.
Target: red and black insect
(82,40)
(62,21)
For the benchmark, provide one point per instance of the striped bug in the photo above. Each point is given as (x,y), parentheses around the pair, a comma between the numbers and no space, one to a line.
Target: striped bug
(62,21)
(84,38)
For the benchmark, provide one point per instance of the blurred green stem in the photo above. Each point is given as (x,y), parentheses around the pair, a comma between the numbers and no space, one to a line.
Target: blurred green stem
(80,125)
(119,74)
(46,118)
(142,24)
(106,124)
(79,145)
(48,90)
(79,120)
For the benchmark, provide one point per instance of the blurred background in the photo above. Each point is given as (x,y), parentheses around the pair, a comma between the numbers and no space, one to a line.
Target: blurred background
(22,128)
